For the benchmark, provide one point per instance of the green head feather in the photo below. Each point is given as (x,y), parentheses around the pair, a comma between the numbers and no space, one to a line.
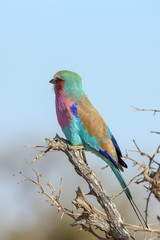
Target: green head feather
(72,83)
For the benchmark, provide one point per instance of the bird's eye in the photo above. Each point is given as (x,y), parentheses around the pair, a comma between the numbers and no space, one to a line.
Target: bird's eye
(57,80)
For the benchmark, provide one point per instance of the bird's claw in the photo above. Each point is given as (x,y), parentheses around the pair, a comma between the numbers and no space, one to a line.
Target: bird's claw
(76,147)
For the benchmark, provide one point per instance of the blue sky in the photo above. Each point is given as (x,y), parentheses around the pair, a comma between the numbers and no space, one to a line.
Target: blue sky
(113,45)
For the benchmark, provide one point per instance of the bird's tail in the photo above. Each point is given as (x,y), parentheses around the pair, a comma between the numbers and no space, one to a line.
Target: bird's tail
(128,194)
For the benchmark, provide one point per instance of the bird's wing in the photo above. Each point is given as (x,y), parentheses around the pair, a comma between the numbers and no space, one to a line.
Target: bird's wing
(95,132)
(118,151)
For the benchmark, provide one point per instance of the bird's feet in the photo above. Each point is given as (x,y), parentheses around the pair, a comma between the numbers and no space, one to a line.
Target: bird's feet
(76,147)
(79,147)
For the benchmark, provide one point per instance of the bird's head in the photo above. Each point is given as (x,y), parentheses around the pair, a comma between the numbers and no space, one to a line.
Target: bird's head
(68,82)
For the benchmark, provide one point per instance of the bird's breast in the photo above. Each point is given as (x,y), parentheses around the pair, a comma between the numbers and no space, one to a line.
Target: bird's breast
(63,111)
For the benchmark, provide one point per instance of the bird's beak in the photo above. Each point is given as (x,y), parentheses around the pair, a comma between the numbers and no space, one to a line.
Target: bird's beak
(52,81)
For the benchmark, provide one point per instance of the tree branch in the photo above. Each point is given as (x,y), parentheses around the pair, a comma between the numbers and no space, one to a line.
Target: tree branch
(115,226)
(148,110)
(148,175)
(110,222)
(155,132)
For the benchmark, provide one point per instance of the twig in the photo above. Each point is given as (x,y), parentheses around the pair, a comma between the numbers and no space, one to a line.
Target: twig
(41,155)
(142,109)
(126,186)
(135,162)
(146,210)
(155,132)
(153,178)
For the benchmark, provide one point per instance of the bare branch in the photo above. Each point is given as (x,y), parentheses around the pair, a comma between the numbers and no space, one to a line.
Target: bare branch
(76,157)
(147,204)
(155,132)
(126,186)
(88,217)
(148,175)
(110,222)
(142,109)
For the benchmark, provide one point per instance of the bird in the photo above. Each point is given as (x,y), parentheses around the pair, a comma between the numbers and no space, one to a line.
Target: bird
(85,128)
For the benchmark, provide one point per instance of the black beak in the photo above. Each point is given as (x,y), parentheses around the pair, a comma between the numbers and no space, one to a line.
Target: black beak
(52,81)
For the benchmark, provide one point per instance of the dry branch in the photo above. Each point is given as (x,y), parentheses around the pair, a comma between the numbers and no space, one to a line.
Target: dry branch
(115,227)
(148,175)
(143,109)
(155,132)
(110,222)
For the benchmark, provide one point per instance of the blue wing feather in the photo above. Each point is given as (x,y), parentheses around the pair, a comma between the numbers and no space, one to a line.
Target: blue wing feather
(104,153)
(119,154)
(114,142)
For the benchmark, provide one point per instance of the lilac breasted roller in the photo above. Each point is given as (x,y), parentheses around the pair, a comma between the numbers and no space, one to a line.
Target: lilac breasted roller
(84,127)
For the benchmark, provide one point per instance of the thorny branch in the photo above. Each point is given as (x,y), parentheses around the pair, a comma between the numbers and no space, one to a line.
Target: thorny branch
(110,222)
(53,199)
(150,173)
